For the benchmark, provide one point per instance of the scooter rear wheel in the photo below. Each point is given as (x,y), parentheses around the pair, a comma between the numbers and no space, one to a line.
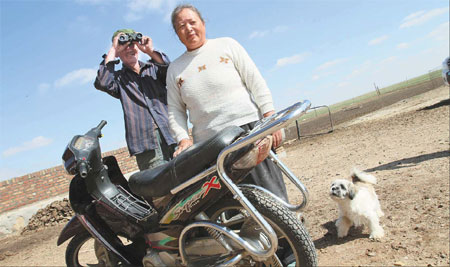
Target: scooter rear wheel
(295,247)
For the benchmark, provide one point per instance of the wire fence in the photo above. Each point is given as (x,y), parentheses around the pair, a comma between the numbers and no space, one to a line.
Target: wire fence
(320,119)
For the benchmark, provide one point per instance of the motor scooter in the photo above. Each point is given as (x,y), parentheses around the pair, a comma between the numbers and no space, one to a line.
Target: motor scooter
(192,211)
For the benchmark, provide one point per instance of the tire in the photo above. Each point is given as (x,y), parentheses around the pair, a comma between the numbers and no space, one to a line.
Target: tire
(294,243)
(82,250)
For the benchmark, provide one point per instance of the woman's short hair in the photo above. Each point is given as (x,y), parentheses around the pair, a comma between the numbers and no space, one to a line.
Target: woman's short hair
(179,8)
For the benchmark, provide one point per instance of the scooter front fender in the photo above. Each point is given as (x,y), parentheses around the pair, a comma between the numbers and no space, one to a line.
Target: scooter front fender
(83,223)
(72,228)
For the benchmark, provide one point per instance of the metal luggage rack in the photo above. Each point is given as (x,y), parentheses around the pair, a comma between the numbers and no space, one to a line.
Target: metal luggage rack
(131,206)
(264,127)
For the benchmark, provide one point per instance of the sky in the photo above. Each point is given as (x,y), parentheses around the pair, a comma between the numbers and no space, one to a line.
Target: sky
(323,51)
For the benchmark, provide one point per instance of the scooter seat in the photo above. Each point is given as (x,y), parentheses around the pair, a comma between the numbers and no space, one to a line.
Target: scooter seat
(159,181)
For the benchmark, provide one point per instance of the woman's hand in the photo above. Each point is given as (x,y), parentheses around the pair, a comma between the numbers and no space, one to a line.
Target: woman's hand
(277,139)
(182,145)
(277,136)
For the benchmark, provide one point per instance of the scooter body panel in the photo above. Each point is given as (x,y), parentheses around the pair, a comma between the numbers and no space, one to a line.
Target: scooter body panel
(72,228)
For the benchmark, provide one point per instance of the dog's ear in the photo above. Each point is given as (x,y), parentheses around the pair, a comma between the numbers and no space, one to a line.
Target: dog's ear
(351,191)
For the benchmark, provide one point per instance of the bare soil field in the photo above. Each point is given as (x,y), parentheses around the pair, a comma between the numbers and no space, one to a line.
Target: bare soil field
(405,145)
(321,124)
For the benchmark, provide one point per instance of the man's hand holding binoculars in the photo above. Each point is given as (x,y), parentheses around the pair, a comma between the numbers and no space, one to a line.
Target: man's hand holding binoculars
(146,46)
(143,43)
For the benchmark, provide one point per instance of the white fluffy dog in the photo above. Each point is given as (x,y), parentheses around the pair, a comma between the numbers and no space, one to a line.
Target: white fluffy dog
(358,204)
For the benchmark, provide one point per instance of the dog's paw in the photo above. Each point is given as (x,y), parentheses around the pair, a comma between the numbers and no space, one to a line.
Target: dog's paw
(342,232)
(342,235)
(343,224)
(377,234)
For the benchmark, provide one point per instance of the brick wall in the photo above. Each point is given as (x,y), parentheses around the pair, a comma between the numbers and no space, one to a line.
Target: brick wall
(48,183)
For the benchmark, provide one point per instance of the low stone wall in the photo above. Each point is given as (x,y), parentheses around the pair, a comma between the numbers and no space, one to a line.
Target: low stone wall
(49,183)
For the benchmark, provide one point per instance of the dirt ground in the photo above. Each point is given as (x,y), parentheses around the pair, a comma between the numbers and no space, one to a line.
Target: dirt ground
(405,145)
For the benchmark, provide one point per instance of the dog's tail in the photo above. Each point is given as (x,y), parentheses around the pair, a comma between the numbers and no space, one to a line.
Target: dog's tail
(358,175)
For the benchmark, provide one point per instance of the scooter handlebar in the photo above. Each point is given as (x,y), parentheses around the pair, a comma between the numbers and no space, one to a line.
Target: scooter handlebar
(97,131)
(83,169)
(101,125)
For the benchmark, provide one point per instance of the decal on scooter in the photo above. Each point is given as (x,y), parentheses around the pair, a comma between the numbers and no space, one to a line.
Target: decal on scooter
(187,204)
(161,240)
(213,183)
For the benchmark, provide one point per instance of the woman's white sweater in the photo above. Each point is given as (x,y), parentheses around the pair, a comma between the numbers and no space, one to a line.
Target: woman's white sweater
(219,85)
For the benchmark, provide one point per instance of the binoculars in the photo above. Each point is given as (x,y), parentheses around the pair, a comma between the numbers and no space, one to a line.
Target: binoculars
(133,37)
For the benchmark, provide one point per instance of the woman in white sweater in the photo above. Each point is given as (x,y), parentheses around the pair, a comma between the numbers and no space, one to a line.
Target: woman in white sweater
(216,81)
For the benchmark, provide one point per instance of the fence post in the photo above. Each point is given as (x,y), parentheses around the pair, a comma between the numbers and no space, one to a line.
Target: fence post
(298,129)
(377,89)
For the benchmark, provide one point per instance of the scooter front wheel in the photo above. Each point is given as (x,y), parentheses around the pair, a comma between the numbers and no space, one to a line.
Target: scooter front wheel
(83,250)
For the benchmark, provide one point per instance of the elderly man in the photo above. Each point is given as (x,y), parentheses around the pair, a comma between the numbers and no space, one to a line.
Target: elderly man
(141,88)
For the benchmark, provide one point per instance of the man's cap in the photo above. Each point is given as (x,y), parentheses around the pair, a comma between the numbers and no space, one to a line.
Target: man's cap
(126,31)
